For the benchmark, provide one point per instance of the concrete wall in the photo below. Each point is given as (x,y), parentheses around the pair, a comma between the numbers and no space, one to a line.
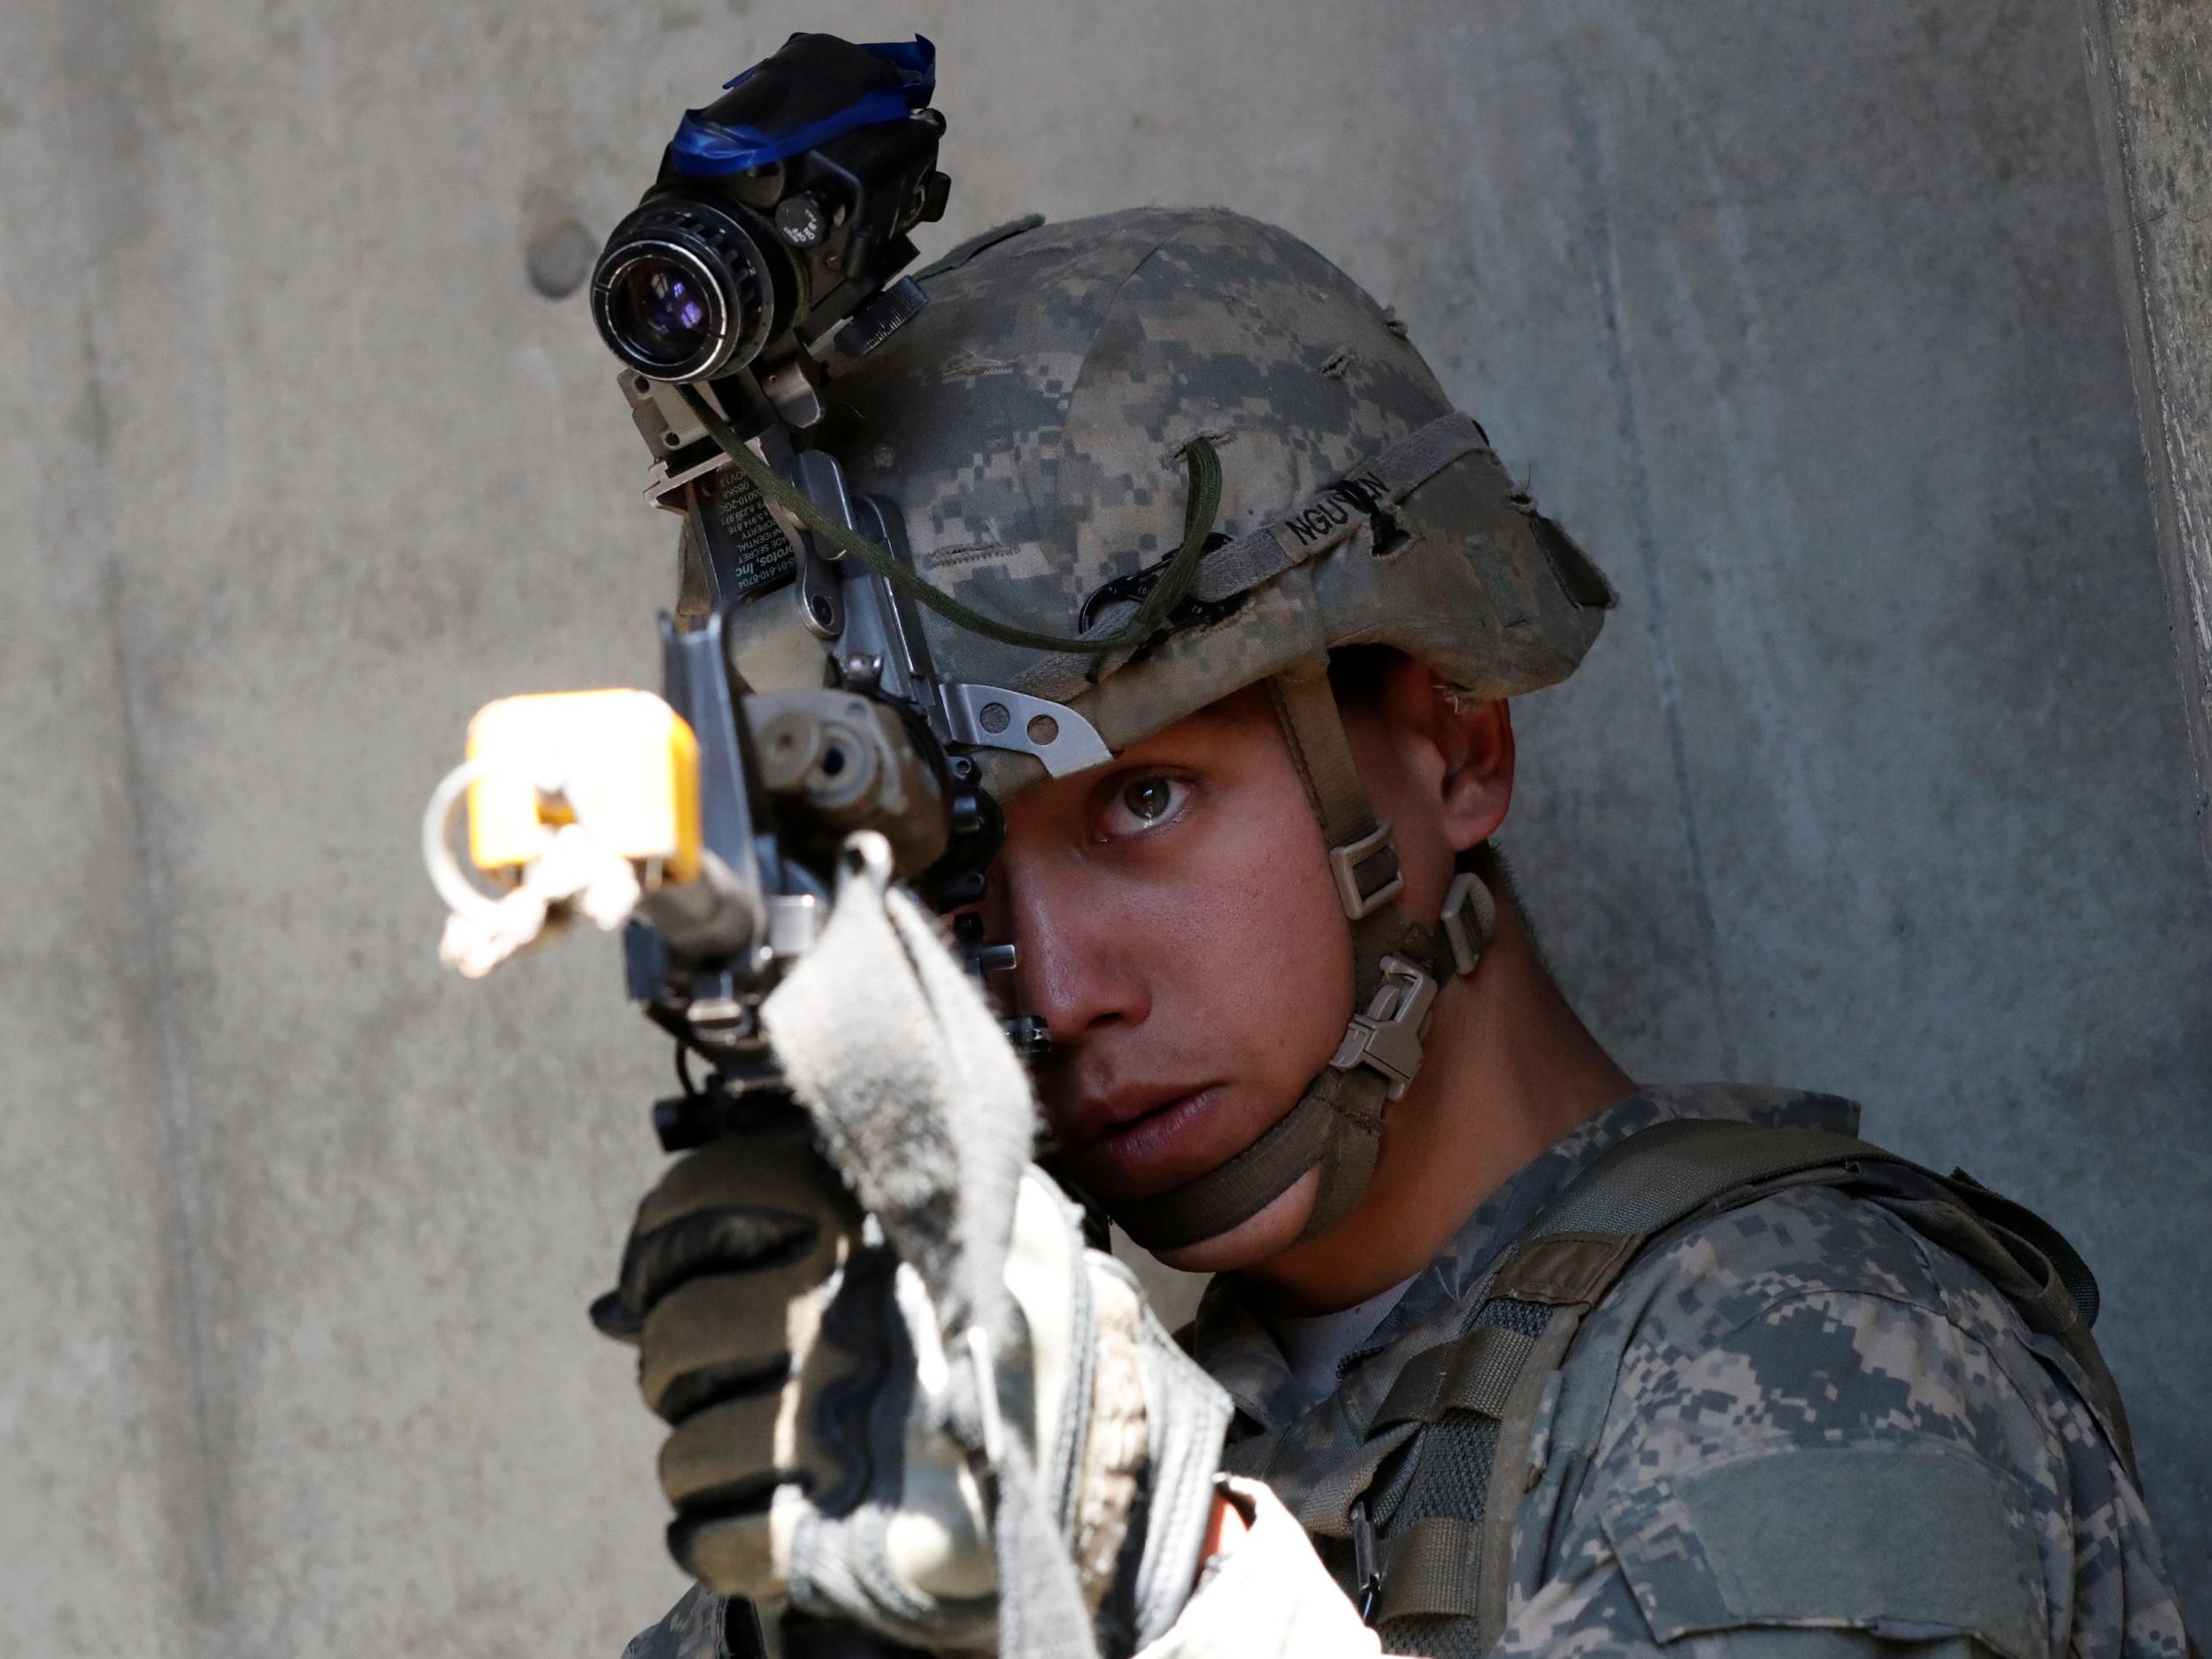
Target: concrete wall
(2151,105)
(1803,319)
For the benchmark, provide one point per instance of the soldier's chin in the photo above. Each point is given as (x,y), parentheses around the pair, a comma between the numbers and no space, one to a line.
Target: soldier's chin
(1271,1231)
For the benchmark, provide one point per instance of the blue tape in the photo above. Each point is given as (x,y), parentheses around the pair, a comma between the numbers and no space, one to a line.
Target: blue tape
(706,150)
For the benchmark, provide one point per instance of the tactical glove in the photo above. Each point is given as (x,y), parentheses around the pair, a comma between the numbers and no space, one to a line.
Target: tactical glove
(829,1451)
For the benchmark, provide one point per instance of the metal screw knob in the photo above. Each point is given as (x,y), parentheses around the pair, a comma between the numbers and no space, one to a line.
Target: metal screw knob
(801,221)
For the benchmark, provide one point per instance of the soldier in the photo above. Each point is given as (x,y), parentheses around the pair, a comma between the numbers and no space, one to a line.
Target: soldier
(1522,1357)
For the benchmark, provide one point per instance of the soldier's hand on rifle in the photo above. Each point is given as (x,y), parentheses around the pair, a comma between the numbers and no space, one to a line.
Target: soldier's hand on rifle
(815,1459)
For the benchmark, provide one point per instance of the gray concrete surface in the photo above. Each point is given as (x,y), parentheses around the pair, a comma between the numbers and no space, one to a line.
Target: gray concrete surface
(1803,319)
(2150,86)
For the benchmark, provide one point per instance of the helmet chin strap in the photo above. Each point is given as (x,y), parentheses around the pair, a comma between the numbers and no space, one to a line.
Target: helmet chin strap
(1397,965)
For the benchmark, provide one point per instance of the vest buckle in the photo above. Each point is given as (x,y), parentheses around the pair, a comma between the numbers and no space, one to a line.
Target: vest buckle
(1366,1572)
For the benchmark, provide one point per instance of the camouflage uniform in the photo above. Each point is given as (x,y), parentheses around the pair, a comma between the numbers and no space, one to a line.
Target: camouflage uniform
(1825,1434)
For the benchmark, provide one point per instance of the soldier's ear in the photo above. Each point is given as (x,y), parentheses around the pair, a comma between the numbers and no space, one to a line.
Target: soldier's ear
(1434,758)
(1475,742)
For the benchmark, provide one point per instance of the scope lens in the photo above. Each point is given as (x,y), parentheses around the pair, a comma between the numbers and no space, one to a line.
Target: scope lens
(659,312)
(686,289)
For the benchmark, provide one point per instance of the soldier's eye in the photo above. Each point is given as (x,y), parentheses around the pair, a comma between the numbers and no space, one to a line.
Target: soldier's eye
(1148,798)
(1142,802)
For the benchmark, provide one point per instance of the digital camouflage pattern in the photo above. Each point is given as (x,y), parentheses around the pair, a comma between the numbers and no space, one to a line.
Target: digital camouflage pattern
(1029,425)
(1817,1428)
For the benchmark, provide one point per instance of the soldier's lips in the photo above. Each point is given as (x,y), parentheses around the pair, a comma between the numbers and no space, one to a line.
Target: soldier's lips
(1147,1148)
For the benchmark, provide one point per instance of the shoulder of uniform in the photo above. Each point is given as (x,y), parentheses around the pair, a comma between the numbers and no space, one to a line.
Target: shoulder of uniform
(1804,1407)
(1813,1318)
(1804,1243)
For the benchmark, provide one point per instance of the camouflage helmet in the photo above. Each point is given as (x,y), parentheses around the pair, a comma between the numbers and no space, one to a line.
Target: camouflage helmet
(1031,426)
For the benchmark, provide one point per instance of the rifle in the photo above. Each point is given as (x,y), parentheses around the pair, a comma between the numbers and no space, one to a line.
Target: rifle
(708,821)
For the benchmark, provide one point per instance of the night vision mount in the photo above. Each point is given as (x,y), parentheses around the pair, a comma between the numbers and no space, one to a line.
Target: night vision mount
(773,239)
(777,227)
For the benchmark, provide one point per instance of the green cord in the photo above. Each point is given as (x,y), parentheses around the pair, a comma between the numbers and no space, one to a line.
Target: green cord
(1175,581)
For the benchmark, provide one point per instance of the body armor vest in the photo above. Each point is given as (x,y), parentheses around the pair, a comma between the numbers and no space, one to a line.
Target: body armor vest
(1418,1521)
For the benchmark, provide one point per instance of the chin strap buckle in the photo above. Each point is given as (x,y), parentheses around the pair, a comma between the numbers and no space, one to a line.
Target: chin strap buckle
(1470,917)
(1387,1037)
(1366,872)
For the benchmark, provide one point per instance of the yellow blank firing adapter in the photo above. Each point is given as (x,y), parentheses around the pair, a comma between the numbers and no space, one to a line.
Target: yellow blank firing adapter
(580,803)
(622,764)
